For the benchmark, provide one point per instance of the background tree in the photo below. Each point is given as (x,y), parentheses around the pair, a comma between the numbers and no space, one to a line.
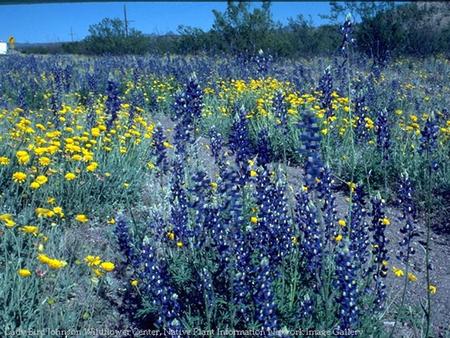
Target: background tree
(239,29)
(110,37)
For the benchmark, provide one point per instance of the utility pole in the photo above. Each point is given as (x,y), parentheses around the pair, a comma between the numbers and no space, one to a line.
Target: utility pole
(71,34)
(125,19)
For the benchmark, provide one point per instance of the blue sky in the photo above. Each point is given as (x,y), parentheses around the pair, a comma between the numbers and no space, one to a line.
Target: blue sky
(54,22)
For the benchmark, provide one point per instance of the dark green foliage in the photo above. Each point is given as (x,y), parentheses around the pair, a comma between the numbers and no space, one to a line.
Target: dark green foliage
(110,36)
(388,29)
(241,30)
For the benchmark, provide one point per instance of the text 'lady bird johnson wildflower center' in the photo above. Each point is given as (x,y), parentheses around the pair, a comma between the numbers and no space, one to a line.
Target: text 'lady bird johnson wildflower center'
(105,332)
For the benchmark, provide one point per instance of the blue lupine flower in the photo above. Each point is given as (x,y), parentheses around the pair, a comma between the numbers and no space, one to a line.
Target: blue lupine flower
(67,77)
(347,35)
(242,281)
(123,238)
(179,202)
(239,139)
(301,76)
(137,101)
(279,109)
(272,232)
(344,69)
(310,148)
(156,280)
(263,62)
(429,134)
(22,101)
(264,297)
(219,235)
(56,93)
(359,237)
(326,89)
(199,202)
(91,82)
(263,149)
(409,215)
(379,250)
(360,114)
(216,143)
(378,227)
(230,187)
(207,286)
(112,103)
(328,202)
(346,283)
(159,148)
(306,306)
(311,244)
(188,107)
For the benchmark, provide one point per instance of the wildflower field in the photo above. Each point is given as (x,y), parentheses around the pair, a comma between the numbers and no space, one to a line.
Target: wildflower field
(184,196)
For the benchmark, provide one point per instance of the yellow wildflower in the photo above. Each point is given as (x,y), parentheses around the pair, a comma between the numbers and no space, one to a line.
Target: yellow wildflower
(385,221)
(35,185)
(4,160)
(398,272)
(92,166)
(23,157)
(19,177)
(432,288)
(43,212)
(167,145)
(58,211)
(92,260)
(70,176)
(43,258)
(30,229)
(342,222)
(411,277)
(98,272)
(56,264)
(41,179)
(107,266)
(44,161)
(95,132)
(171,235)
(7,220)
(81,218)
(352,186)
(24,273)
